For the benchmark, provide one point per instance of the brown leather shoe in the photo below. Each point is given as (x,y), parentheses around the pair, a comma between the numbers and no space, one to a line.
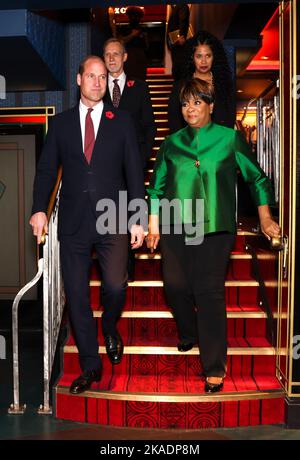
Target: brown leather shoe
(84,381)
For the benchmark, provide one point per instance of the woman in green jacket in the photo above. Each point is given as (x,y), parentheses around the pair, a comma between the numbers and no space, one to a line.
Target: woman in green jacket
(198,166)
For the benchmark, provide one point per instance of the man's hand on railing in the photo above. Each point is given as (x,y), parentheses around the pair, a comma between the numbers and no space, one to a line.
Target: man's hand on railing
(39,224)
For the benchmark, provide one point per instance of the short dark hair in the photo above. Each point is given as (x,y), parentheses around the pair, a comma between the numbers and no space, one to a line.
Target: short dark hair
(197,88)
(84,61)
(114,40)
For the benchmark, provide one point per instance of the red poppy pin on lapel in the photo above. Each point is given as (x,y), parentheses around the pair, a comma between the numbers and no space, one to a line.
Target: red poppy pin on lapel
(130,83)
(110,115)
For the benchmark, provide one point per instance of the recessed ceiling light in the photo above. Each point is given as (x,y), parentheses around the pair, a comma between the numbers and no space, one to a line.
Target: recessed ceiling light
(239,91)
(265,58)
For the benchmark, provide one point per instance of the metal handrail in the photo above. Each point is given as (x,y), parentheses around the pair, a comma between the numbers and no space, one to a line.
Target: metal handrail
(16,407)
(53,305)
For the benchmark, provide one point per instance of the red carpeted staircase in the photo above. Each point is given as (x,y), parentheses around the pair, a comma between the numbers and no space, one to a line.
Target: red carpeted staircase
(155,386)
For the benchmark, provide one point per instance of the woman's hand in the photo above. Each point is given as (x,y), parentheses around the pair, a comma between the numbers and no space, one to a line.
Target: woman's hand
(270,228)
(153,236)
(152,240)
(268,225)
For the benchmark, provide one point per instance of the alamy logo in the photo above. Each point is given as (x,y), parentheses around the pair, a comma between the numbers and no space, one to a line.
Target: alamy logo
(184,216)
(296,348)
(2,87)
(296,86)
(2,347)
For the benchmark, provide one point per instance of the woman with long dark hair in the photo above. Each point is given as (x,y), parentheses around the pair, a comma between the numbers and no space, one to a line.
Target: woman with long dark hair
(205,59)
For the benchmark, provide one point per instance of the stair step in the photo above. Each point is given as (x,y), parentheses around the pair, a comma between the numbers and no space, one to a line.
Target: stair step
(175,388)
(159,283)
(233,256)
(163,86)
(168,314)
(215,411)
(161,92)
(158,350)
(160,80)
(241,364)
(163,106)
(162,332)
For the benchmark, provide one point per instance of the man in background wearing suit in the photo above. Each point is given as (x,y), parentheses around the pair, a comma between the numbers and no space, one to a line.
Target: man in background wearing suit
(133,96)
(97,148)
(129,94)
(178,21)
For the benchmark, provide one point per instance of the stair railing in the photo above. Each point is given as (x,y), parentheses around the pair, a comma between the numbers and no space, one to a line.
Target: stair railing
(53,305)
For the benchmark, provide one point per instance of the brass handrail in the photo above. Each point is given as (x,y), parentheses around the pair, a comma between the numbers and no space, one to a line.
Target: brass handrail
(52,201)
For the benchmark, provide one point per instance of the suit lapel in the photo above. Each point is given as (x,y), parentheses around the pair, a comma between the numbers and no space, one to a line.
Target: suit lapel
(124,95)
(76,134)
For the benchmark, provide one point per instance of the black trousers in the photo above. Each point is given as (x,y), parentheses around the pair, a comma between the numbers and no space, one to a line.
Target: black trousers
(76,252)
(194,282)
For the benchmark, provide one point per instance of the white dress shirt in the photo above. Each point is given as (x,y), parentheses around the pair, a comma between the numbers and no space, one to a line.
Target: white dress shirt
(121,82)
(95,115)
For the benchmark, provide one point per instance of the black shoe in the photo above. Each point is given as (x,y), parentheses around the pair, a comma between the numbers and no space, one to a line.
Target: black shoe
(114,348)
(213,387)
(131,277)
(84,381)
(185,346)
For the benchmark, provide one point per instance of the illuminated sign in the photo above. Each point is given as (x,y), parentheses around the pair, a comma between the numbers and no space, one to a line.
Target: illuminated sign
(122,10)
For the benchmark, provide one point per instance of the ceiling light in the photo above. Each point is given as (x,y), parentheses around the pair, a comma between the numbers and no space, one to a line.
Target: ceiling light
(265,58)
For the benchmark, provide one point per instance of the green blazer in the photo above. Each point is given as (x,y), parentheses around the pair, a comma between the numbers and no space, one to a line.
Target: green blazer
(202,163)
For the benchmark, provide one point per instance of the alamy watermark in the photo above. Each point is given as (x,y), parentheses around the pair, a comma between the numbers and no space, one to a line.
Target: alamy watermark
(2,347)
(175,216)
(296,86)
(296,348)
(2,87)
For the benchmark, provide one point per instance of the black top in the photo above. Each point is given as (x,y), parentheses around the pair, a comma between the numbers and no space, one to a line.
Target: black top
(179,19)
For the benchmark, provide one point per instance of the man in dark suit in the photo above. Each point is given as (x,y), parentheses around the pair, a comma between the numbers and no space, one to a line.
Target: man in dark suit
(133,96)
(178,21)
(97,148)
(129,94)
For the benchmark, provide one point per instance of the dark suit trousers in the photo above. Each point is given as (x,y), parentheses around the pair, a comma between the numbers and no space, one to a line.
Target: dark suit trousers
(194,281)
(76,252)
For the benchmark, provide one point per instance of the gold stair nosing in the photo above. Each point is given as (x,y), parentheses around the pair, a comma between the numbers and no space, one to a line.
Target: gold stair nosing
(159,283)
(160,92)
(160,113)
(159,314)
(156,350)
(159,80)
(159,99)
(176,397)
(246,256)
(162,85)
(159,105)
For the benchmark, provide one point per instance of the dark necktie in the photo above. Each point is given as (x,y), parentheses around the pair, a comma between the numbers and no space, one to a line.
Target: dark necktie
(89,136)
(116,93)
